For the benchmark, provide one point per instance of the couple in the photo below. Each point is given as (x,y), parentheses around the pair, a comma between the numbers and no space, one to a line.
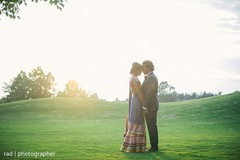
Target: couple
(143,104)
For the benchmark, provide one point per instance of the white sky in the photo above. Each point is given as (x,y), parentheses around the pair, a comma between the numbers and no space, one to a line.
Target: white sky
(95,43)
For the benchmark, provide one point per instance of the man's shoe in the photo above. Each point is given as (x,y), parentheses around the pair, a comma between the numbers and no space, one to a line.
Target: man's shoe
(153,149)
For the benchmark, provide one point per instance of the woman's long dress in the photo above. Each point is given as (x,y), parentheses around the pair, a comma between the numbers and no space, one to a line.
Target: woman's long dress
(135,134)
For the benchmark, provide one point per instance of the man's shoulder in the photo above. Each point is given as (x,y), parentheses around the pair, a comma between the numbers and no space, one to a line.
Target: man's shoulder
(153,76)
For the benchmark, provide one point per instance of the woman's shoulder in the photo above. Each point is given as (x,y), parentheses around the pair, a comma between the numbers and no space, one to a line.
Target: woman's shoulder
(134,79)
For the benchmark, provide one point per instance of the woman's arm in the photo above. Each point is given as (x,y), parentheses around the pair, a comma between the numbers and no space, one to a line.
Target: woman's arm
(137,86)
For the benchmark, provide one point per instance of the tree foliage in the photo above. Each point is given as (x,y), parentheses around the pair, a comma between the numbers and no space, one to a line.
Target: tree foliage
(167,93)
(11,8)
(94,96)
(41,84)
(18,89)
(165,88)
(36,84)
(72,89)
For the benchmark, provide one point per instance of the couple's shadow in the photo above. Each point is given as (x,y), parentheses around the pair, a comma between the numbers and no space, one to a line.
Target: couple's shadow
(148,155)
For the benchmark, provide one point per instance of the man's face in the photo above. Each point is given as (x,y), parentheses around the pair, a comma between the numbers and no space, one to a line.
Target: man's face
(145,70)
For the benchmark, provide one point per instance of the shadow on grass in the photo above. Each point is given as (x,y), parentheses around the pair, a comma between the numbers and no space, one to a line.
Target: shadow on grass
(147,155)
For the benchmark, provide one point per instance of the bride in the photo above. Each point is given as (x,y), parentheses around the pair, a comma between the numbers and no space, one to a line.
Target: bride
(135,134)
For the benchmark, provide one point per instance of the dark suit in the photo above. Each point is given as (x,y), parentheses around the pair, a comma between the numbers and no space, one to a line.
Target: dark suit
(150,101)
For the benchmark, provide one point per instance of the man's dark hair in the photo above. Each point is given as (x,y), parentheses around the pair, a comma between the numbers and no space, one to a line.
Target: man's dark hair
(148,64)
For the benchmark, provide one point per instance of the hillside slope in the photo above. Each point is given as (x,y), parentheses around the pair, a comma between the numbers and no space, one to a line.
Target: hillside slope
(205,128)
(222,110)
(75,128)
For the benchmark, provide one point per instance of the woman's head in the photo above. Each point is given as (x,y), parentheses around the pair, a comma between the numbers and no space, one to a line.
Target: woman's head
(136,69)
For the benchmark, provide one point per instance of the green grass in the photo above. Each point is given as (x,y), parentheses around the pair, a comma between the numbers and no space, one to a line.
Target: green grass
(88,129)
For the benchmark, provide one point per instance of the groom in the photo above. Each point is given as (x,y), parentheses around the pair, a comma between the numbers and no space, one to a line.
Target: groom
(150,103)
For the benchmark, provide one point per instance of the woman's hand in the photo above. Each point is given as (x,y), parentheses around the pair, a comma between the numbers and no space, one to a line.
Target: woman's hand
(145,110)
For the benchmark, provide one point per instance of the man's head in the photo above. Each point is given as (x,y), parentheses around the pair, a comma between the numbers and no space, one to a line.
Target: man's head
(147,66)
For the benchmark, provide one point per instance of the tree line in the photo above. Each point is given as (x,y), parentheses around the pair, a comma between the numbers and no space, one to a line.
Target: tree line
(38,84)
(167,93)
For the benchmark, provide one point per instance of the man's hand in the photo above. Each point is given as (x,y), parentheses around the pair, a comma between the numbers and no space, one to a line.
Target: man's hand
(145,110)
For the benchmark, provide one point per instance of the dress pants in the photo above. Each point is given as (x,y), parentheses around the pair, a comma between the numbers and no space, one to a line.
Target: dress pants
(151,120)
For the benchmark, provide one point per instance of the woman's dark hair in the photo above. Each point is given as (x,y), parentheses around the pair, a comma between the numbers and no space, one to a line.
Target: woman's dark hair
(135,66)
(149,65)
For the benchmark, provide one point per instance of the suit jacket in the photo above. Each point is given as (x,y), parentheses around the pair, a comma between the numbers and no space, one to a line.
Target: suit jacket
(149,91)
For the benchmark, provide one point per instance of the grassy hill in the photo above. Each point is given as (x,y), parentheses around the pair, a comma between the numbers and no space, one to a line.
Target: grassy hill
(79,129)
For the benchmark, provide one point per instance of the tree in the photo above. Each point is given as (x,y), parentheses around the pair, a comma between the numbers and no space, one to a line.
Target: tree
(94,96)
(117,100)
(165,88)
(166,92)
(18,89)
(11,8)
(72,90)
(36,84)
(41,85)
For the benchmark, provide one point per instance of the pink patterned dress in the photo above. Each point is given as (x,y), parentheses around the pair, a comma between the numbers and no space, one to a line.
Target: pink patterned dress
(135,133)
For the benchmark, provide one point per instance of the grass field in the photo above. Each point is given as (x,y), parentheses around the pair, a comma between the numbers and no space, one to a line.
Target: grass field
(79,129)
